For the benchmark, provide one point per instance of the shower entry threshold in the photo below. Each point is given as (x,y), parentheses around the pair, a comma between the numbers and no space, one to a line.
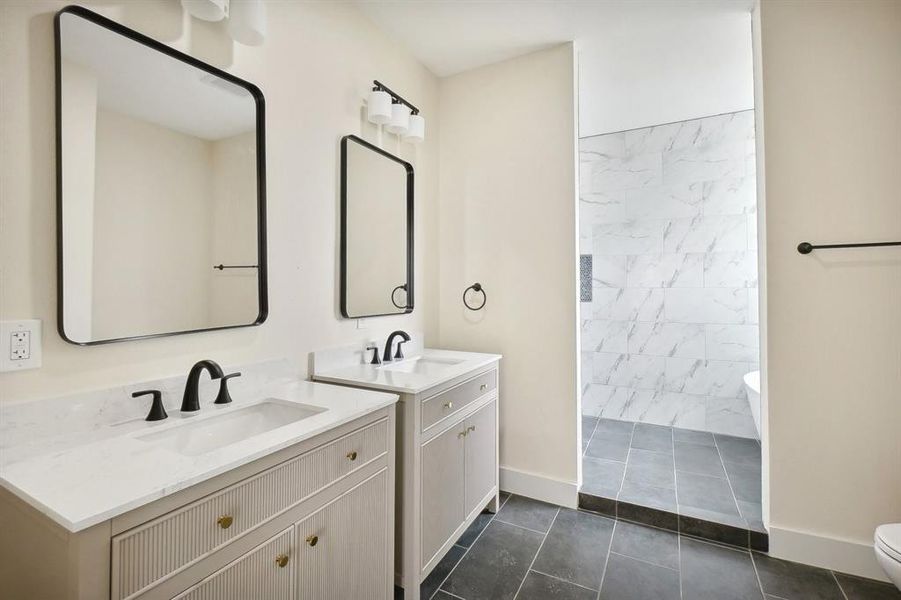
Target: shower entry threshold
(693,482)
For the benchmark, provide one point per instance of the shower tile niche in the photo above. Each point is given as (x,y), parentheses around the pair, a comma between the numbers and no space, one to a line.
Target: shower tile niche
(668,221)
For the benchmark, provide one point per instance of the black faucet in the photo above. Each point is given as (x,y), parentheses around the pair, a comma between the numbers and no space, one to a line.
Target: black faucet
(190,401)
(387,356)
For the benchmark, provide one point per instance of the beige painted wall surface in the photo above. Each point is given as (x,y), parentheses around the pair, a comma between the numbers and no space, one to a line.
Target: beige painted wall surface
(507,217)
(832,106)
(315,69)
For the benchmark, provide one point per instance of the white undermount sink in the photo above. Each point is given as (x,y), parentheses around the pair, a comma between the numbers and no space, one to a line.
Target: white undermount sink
(421,365)
(199,437)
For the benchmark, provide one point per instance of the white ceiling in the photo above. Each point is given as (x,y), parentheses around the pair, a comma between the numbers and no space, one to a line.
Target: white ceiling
(135,80)
(450,36)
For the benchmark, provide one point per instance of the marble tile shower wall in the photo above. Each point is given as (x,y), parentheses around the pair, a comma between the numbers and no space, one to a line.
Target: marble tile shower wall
(668,215)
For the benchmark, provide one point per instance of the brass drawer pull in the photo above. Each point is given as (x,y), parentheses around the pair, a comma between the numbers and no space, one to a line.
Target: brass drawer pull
(281,560)
(449,405)
(225,521)
(483,387)
(352,455)
(312,540)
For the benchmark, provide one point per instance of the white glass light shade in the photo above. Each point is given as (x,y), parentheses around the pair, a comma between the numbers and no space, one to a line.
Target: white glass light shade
(208,10)
(416,130)
(378,107)
(400,119)
(247,21)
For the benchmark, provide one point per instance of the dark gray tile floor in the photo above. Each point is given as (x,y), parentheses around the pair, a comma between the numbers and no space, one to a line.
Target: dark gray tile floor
(703,476)
(535,551)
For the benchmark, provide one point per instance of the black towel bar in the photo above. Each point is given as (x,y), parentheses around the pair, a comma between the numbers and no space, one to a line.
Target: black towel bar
(807,247)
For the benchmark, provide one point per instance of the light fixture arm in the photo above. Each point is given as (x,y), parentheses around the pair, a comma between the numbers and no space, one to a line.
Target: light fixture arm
(377,86)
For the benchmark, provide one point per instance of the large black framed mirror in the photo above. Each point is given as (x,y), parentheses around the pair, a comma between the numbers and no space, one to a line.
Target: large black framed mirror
(161,194)
(376,231)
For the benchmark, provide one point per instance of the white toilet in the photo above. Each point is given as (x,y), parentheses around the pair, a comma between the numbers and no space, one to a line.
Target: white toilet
(888,551)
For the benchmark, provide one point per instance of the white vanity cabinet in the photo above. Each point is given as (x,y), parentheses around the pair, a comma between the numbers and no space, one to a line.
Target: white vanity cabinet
(459,469)
(312,520)
(447,447)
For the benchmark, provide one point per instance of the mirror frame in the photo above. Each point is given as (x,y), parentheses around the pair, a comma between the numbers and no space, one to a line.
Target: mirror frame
(262,271)
(343,260)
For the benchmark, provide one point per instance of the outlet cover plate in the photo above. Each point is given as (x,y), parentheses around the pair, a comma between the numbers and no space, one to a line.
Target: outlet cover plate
(20,345)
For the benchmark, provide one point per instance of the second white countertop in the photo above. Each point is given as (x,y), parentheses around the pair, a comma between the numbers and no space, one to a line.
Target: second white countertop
(444,365)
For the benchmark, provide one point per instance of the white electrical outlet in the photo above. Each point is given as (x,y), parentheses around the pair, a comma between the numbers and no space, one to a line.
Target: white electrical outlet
(20,345)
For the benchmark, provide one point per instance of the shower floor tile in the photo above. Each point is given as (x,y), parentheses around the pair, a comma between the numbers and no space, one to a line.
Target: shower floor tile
(670,477)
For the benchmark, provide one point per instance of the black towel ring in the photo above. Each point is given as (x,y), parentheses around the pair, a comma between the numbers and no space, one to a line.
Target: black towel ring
(476,287)
(394,291)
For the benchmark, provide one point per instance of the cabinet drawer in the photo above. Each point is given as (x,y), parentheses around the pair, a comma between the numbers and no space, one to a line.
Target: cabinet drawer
(143,556)
(267,571)
(446,403)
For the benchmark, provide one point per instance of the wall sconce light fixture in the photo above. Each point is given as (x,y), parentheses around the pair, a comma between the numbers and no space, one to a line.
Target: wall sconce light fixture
(246,18)
(384,107)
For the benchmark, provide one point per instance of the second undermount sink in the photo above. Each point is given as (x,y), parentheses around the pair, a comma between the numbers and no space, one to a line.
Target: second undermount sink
(202,436)
(422,365)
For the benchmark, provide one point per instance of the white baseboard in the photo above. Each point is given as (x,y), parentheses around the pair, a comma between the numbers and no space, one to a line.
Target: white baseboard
(841,555)
(540,487)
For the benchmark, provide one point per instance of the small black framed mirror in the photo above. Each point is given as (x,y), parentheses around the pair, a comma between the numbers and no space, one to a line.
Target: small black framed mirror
(376,231)
(161,192)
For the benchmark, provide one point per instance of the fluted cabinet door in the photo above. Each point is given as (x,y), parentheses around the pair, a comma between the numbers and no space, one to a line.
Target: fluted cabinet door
(481,454)
(343,547)
(442,489)
(267,572)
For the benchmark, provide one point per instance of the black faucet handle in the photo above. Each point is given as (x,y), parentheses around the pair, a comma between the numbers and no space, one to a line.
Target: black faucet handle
(400,352)
(157,411)
(375,355)
(224,397)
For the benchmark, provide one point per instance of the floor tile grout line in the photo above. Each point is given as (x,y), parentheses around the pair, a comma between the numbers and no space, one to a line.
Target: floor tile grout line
(678,518)
(584,587)
(643,561)
(597,420)
(449,573)
(534,558)
(731,490)
(626,468)
(521,526)
(839,584)
(607,558)
(757,575)
(679,557)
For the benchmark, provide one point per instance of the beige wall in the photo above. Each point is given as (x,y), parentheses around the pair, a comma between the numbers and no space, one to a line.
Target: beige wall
(832,110)
(315,69)
(507,217)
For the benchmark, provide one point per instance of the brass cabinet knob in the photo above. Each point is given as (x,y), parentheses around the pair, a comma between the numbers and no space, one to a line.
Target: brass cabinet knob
(483,387)
(470,428)
(225,521)
(462,434)
(312,540)
(449,405)
(281,560)
(352,455)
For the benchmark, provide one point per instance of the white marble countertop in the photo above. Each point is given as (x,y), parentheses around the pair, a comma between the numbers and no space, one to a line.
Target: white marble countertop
(82,484)
(443,365)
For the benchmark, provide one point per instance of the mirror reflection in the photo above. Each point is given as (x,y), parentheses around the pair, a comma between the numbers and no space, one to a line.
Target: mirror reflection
(377,231)
(159,184)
